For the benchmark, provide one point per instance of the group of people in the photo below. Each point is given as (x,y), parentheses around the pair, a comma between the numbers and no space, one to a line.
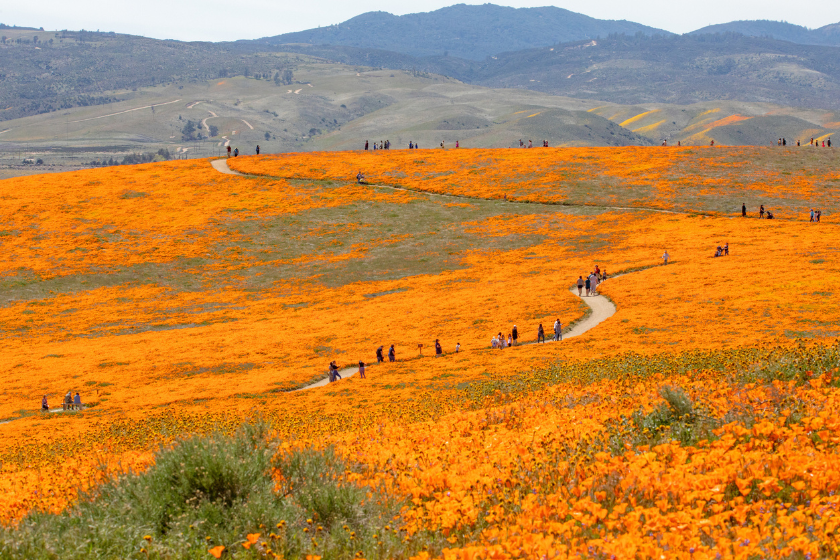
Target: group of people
(825,143)
(762,213)
(236,151)
(816,215)
(70,402)
(590,284)
(722,251)
(498,341)
(530,144)
(383,145)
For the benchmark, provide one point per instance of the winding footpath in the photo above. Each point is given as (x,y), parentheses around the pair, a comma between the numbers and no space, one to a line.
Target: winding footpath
(601,308)
(221,166)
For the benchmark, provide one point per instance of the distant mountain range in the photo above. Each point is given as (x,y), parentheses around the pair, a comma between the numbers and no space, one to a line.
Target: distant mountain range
(476,32)
(828,35)
(464,31)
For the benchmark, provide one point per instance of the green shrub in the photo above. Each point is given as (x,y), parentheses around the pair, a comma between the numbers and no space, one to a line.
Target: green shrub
(215,490)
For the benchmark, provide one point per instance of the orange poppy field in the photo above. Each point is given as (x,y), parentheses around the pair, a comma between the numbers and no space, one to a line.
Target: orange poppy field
(696,422)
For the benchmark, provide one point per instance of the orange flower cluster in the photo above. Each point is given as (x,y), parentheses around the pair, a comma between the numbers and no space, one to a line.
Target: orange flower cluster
(146,288)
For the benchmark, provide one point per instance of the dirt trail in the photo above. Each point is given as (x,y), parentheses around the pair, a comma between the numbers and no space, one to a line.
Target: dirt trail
(221,166)
(602,309)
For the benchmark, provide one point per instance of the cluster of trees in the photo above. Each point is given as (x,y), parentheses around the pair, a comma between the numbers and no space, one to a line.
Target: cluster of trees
(284,77)
(132,159)
(191,132)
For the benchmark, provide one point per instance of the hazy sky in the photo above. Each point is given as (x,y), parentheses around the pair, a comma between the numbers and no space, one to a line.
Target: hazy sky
(222,20)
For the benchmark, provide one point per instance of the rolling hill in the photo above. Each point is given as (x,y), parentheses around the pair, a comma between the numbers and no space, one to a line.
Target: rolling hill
(783,31)
(465,31)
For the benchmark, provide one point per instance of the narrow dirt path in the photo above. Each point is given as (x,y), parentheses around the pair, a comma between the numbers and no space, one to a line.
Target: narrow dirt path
(221,166)
(602,309)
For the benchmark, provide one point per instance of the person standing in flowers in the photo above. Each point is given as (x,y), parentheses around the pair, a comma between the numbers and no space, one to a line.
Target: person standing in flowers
(379,357)
(438,349)
(515,334)
(580,285)
(540,334)
(392,354)
(44,405)
(494,342)
(743,210)
(558,330)
(665,257)
(334,372)
(502,344)
(761,212)
(361,370)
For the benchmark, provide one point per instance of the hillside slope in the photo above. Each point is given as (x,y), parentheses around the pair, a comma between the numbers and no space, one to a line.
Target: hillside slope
(471,32)
(783,31)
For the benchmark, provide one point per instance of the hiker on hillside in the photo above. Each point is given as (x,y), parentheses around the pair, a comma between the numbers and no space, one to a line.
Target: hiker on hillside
(812,141)
(44,406)
(334,372)
(379,357)
(366,145)
(588,285)
(744,210)
(580,285)
(361,370)
(558,330)
(258,149)
(228,150)
(236,152)
(392,354)
(515,334)
(761,211)
(438,349)
(540,334)
(410,145)
(665,257)
(457,144)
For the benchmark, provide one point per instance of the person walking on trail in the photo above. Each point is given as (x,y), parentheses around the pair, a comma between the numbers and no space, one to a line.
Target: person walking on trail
(438,349)
(761,212)
(580,285)
(558,330)
(228,150)
(743,210)
(515,334)
(540,334)
(258,149)
(588,285)
(362,370)
(236,152)
(334,372)
(665,257)
(379,357)
(392,354)
(593,284)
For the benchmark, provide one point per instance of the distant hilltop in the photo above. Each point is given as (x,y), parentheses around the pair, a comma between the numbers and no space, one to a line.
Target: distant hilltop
(4,26)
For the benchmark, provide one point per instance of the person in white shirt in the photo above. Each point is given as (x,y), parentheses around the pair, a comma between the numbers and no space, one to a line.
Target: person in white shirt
(665,257)
(494,343)
(593,284)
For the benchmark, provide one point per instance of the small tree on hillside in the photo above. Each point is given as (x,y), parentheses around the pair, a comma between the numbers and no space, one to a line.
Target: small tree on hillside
(288,77)
(214,130)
